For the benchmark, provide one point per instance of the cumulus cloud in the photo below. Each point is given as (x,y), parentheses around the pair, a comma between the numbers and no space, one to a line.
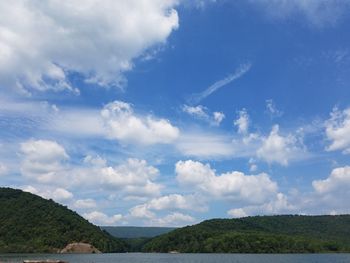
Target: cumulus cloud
(97,39)
(338,130)
(280,149)
(218,117)
(43,161)
(85,203)
(202,113)
(242,122)
(141,211)
(99,218)
(174,219)
(233,186)
(169,203)
(46,162)
(135,178)
(317,12)
(177,201)
(278,204)
(337,182)
(57,194)
(123,124)
(327,196)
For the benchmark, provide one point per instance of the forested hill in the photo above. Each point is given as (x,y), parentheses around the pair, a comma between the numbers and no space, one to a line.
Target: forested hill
(136,231)
(265,234)
(29,223)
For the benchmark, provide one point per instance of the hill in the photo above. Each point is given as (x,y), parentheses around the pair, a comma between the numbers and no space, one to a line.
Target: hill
(136,236)
(261,234)
(29,223)
(136,232)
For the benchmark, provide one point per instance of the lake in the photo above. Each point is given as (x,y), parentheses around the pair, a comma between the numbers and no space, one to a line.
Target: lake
(182,258)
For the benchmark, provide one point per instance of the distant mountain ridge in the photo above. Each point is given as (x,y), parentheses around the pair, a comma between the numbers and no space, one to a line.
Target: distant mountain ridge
(136,231)
(260,234)
(29,223)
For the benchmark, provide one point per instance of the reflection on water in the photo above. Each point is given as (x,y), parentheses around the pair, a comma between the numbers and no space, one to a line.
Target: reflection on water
(182,258)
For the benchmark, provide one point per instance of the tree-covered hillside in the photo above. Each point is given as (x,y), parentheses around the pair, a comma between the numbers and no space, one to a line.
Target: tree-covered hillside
(29,223)
(136,231)
(265,234)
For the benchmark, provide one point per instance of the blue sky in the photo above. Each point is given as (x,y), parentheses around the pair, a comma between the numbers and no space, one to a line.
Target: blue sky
(170,112)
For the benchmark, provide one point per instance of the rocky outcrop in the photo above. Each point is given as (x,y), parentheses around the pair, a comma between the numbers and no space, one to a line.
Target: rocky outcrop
(80,248)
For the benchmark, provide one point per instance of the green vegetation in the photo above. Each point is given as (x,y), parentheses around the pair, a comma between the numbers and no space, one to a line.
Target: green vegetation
(29,223)
(136,232)
(266,234)
(135,236)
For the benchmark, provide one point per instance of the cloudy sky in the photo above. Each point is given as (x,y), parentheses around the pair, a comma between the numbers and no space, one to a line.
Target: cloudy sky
(169,112)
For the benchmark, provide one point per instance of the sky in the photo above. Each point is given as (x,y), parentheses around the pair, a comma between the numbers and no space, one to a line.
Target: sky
(171,112)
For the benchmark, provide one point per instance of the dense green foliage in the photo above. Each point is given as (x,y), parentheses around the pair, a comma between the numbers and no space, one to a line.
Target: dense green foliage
(136,244)
(136,237)
(266,234)
(136,232)
(29,223)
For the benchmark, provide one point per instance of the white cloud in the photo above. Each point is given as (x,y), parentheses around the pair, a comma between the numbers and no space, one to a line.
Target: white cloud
(57,194)
(338,130)
(43,161)
(196,111)
(205,145)
(241,70)
(122,124)
(3,169)
(280,149)
(278,204)
(85,203)
(98,39)
(252,165)
(76,122)
(177,201)
(99,218)
(233,186)
(200,4)
(61,194)
(242,122)
(43,150)
(317,12)
(170,203)
(46,162)
(96,161)
(329,196)
(135,178)
(237,213)
(218,117)
(141,211)
(272,110)
(174,219)
(201,112)
(337,182)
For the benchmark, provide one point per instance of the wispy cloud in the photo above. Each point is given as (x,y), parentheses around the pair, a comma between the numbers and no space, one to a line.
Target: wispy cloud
(242,69)
(203,113)
(317,13)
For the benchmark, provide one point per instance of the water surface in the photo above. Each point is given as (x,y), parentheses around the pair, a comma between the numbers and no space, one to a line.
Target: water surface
(181,258)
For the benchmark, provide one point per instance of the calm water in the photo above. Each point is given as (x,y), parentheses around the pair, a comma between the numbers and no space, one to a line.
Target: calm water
(183,258)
